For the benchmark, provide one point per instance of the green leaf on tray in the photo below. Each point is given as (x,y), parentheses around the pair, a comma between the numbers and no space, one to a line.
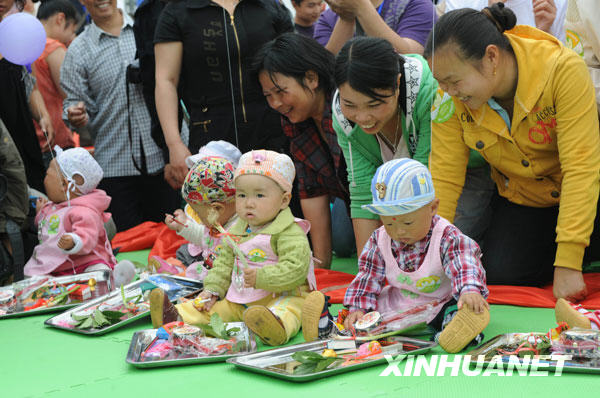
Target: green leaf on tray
(311,362)
(114,316)
(217,324)
(216,328)
(321,365)
(307,356)
(304,368)
(97,319)
(87,323)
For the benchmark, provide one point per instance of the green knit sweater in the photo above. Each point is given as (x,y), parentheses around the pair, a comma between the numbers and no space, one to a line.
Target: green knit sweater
(289,243)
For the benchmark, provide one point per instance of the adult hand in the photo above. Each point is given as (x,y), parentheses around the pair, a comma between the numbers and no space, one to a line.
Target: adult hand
(77,115)
(66,242)
(473,301)
(178,168)
(249,277)
(46,126)
(569,284)
(544,12)
(39,203)
(209,304)
(341,10)
(352,318)
(170,176)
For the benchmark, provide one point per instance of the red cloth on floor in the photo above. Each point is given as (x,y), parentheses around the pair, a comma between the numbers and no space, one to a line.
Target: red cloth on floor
(139,237)
(523,296)
(164,243)
(542,297)
(333,283)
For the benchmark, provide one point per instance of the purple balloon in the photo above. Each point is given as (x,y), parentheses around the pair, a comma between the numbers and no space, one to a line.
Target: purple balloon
(22,38)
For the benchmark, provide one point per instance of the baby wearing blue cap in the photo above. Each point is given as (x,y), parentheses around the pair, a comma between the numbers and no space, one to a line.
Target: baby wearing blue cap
(423,258)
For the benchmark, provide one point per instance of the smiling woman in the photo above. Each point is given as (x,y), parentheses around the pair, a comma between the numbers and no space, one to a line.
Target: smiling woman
(296,75)
(527,105)
(380,112)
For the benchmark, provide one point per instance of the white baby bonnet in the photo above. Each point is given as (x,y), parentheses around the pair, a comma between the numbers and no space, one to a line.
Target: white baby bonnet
(78,161)
(220,148)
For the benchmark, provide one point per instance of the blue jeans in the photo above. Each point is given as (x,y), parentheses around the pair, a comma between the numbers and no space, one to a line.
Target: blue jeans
(342,232)
(473,212)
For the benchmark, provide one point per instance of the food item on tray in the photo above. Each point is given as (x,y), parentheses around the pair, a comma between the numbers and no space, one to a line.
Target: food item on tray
(579,343)
(179,341)
(523,344)
(45,292)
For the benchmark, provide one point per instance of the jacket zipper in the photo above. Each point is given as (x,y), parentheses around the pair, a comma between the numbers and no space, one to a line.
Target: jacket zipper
(237,42)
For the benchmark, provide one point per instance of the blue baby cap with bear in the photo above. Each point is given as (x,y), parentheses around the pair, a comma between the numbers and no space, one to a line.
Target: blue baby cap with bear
(400,186)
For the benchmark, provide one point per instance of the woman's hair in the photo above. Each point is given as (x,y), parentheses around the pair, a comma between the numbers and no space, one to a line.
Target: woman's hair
(20,4)
(293,55)
(368,64)
(472,30)
(48,8)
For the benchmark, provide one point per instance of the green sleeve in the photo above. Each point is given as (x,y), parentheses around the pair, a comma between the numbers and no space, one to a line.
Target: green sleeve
(360,173)
(422,114)
(293,252)
(218,277)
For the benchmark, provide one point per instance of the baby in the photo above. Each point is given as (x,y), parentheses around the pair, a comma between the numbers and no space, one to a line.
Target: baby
(207,189)
(71,233)
(422,257)
(262,279)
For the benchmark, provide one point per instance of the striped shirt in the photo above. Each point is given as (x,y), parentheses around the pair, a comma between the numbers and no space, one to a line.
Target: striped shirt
(94,71)
(461,260)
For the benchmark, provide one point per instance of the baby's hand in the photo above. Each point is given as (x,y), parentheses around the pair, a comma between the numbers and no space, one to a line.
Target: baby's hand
(474,301)
(66,242)
(352,318)
(209,304)
(249,277)
(39,203)
(177,221)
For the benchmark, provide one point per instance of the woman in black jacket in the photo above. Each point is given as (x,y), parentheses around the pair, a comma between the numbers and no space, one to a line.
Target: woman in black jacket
(206,47)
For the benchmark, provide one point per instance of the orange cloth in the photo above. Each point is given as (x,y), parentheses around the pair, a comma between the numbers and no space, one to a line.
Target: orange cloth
(63,137)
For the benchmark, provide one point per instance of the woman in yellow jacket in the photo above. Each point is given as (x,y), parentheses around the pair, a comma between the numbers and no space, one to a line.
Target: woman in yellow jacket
(526,103)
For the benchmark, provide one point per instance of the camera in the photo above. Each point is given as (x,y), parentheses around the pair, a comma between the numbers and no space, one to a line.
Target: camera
(134,73)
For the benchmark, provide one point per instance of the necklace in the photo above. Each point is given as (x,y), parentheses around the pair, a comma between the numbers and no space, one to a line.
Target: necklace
(392,146)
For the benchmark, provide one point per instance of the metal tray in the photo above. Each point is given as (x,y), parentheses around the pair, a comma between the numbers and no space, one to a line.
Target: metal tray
(60,321)
(274,362)
(574,365)
(143,338)
(103,286)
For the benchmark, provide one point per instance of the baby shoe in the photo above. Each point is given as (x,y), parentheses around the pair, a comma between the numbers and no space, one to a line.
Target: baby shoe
(265,325)
(462,329)
(576,316)
(162,311)
(317,322)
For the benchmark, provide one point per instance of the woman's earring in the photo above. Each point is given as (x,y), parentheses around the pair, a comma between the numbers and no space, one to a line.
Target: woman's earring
(494,71)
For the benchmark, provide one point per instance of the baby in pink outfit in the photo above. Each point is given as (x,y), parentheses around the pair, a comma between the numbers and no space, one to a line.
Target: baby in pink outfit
(71,233)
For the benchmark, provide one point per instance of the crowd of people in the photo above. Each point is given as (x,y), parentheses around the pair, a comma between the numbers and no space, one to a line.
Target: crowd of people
(379,122)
